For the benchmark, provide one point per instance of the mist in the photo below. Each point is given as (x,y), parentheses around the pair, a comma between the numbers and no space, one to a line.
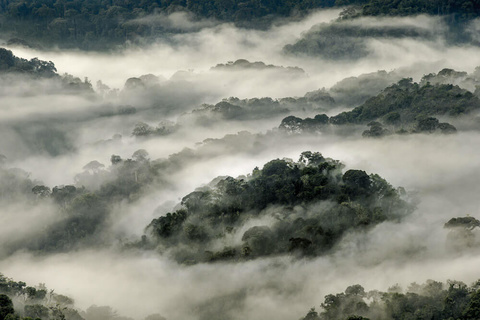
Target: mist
(53,133)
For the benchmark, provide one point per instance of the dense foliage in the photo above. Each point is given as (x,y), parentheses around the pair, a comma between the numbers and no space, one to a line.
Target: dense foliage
(405,107)
(19,301)
(410,100)
(312,204)
(33,67)
(432,300)
(258,108)
(459,10)
(83,209)
(98,24)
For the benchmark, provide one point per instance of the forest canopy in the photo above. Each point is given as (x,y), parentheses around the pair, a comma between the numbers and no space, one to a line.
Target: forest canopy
(313,203)
(100,25)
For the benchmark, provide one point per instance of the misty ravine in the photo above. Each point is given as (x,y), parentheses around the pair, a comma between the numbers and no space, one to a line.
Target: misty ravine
(204,160)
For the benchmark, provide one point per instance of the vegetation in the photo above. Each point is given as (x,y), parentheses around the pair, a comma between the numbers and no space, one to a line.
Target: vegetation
(242,64)
(431,300)
(34,67)
(311,201)
(98,24)
(21,302)
(457,10)
(405,107)
(258,108)
(410,100)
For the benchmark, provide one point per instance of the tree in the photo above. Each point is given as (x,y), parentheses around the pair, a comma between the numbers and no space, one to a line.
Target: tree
(114,159)
(461,235)
(291,124)
(311,315)
(357,179)
(142,129)
(140,155)
(42,191)
(100,313)
(468,223)
(93,166)
(472,310)
(37,311)
(6,306)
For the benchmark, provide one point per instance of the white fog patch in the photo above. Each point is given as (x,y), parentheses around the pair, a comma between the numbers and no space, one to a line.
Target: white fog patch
(19,221)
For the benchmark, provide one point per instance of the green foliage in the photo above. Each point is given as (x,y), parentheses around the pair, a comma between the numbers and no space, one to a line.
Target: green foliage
(33,67)
(292,124)
(6,306)
(403,105)
(460,10)
(351,200)
(345,305)
(410,105)
(460,236)
(83,212)
(376,130)
(10,287)
(38,303)
(411,100)
(142,129)
(468,223)
(97,24)
(431,300)
(37,311)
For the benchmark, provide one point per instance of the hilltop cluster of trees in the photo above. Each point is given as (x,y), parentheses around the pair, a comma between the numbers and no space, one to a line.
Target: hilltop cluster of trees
(354,91)
(431,300)
(409,100)
(164,128)
(243,64)
(38,69)
(405,107)
(34,67)
(311,201)
(258,108)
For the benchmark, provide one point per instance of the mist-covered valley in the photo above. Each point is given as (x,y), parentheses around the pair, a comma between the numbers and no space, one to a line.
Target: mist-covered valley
(220,170)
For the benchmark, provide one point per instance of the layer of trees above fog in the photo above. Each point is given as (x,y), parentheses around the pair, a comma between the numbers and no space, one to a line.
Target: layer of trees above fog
(383,101)
(301,208)
(82,209)
(431,300)
(97,24)
(11,65)
(18,301)
(405,107)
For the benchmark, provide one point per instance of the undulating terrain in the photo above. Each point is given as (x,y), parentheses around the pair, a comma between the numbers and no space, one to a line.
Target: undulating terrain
(204,160)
